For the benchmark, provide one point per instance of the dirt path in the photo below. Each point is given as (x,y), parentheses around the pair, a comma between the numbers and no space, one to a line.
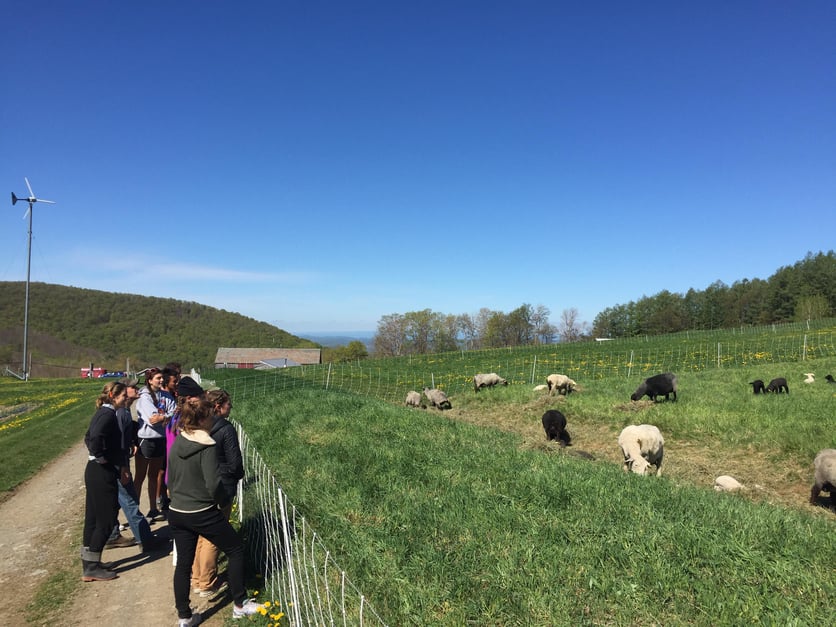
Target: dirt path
(40,534)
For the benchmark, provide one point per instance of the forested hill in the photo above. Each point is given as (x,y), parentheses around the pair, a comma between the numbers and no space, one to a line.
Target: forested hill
(73,326)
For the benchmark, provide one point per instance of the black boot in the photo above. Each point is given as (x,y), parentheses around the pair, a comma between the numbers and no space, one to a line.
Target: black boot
(93,571)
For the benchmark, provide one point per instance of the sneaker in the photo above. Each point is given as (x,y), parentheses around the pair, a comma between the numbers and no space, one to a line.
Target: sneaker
(196,619)
(124,527)
(249,608)
(211,593)
(120,542)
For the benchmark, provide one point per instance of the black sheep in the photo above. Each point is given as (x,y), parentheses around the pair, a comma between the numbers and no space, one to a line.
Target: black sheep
(829,378)
(554,424)
(778,385)
(656,386)
(758,386)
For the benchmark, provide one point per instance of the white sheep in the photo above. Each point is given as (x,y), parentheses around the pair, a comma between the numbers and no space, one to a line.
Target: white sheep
(438,398)
(541,387)
(811,377)
(413,399)
(725,483)
(560,382)
(487,381)
(825,475)
(642,445)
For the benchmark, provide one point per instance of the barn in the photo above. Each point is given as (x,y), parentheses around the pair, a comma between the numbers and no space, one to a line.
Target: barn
(262,358)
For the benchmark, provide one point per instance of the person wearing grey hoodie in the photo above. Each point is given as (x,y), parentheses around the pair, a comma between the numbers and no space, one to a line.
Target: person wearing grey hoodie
(197,496)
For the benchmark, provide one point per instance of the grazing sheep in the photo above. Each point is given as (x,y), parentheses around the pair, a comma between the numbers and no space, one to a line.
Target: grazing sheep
(487,381)
(758,386)
(725,483)
(541,387)
(656,385)
(829,378)
(554,424)
(642,445)
(560,382)
(413,399)
(825,475)
(811,378)
(778,385)
(438,398)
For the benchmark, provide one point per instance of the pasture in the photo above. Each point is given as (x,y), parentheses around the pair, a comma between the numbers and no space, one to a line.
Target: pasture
(470,516)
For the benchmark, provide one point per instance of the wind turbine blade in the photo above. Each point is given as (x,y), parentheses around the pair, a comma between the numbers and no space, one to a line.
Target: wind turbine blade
(31,193)
(51,202)
(26,215)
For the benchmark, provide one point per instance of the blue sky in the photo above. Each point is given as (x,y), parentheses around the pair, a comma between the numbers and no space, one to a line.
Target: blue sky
(318,165)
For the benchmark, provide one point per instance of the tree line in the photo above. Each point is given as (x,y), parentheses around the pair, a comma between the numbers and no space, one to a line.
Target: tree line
(803,291)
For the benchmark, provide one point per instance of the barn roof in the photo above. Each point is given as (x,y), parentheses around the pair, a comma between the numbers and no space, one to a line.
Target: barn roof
(256,355)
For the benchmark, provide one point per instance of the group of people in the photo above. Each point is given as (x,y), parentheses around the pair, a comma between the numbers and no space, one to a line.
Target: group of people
(187,453)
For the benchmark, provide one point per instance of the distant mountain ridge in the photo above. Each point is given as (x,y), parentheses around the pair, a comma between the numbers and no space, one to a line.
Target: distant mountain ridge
(340,339)
(73,326)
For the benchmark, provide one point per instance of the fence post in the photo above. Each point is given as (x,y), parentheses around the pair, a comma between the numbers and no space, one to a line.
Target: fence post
(328,376)
(630,365)
(534,370)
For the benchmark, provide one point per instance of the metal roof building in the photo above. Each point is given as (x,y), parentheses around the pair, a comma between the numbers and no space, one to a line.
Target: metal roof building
(266,357)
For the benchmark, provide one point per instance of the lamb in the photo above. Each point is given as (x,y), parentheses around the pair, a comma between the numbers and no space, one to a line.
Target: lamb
(554,424)
(829,378)
(657,385)
(758,386)
(560,382)
(413,399)
(778,385)
(487,381)
(825,475)
(642,445)
(811,377)
(438,398)
(541,387)
(725,483)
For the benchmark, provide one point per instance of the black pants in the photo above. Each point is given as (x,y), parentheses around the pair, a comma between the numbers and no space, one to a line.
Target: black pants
(101,506)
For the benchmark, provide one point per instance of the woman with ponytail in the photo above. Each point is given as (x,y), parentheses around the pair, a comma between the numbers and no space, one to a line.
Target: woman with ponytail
(107,465)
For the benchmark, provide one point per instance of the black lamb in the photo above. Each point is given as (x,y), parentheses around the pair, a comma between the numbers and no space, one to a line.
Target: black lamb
(758,386)
(778,385)
(554,424)
(657,385)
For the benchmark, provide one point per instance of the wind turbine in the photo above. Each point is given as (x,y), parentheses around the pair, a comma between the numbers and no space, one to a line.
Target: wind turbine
(32,199)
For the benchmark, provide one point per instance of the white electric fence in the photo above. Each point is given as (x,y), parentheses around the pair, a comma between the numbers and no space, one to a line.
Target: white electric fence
(301,577)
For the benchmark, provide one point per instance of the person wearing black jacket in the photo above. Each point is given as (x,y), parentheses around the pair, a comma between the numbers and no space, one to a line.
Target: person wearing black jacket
(107,465)
(231,470)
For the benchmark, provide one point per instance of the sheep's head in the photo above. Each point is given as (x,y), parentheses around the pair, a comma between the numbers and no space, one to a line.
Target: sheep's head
(639,466)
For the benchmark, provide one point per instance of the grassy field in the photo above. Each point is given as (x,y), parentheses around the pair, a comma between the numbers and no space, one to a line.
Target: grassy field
(471,517)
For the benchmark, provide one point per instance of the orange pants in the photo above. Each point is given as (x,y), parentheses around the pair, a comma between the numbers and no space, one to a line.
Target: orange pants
(205,565)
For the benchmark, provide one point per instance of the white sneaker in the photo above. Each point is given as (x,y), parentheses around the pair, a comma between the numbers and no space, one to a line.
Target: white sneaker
(249,608)
(196,619)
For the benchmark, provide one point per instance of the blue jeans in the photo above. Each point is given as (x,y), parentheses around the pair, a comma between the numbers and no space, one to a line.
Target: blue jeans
(129,502)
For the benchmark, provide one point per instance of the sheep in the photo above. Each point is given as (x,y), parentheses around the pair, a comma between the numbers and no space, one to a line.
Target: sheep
(438,398)
(829,378)
(560,382)
(758,386)
(657,385)
(811,377)
(778,385)
(725,483)
(642,445)
(413,399)
(554,424)
(541,387)
(487,381)
(825,475)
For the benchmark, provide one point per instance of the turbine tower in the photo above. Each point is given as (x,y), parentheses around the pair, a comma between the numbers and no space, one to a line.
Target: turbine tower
(31,200)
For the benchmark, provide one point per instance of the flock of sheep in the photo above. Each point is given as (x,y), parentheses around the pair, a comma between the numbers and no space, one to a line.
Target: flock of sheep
(643,446)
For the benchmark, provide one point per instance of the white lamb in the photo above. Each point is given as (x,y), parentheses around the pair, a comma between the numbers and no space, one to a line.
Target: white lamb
(811,377)
(642,446)
(726,483)
(413,399)
(825,475)
(560,382)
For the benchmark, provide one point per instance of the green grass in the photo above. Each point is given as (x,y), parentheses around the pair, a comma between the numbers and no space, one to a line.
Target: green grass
(442,522)
(39,420)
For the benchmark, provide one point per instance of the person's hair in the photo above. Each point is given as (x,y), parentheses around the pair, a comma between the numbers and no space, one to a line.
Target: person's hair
(173,365)
(111,389)
(150,373)
(217,397)
(192,412)
(168,374)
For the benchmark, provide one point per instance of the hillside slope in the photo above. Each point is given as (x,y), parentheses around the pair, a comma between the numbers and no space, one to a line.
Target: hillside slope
(71,327)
